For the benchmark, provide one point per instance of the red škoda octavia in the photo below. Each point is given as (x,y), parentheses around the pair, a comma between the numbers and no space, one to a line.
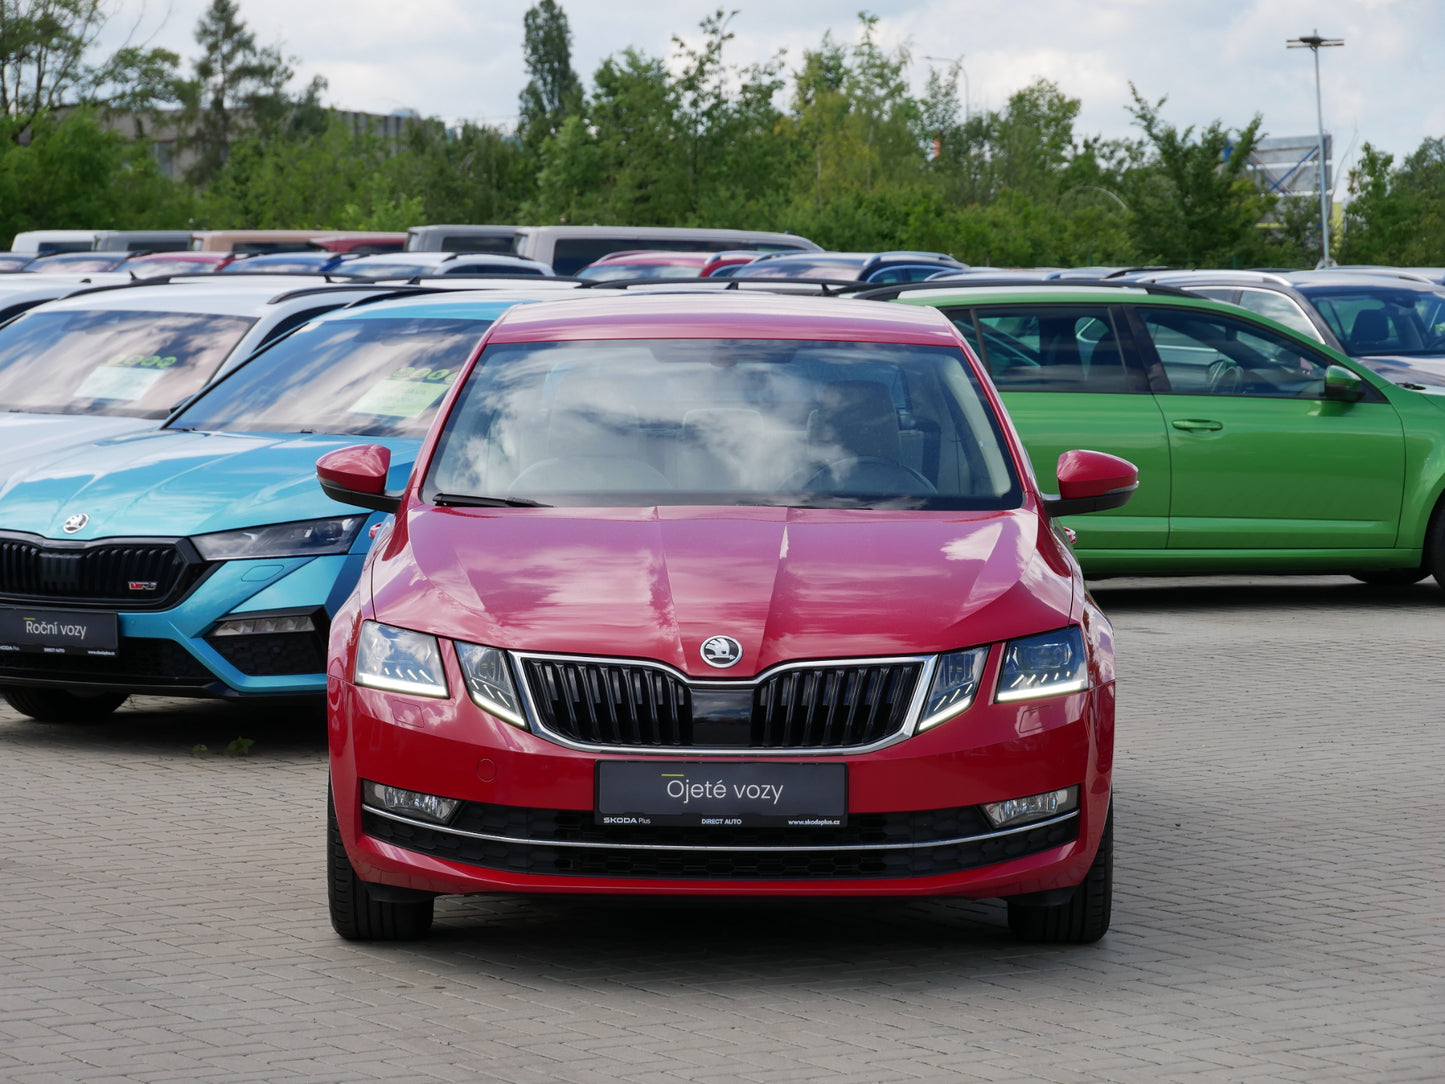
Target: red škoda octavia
(722,595)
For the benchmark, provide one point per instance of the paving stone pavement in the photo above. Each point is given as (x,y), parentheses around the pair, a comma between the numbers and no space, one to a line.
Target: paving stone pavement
(1278,915)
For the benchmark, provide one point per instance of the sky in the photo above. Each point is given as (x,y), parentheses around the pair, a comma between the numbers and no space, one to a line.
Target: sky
(1213,60)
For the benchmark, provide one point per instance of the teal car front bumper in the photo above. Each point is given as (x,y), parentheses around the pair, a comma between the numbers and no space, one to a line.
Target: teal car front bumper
(254,627)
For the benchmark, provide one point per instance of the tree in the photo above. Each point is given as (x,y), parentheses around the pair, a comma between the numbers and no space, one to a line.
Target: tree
(1193,201)
(553,92)
(1397,216)
(71,173)
(856,126)
(239,86)
(650,147)
(44,63)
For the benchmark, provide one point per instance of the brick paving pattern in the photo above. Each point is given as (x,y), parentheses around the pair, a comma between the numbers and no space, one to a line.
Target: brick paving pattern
(1278,916)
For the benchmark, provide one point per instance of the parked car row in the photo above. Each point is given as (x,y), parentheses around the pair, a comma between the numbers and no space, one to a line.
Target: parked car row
(709,588)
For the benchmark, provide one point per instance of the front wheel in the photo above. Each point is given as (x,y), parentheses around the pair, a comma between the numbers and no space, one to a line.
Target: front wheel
(1085,917)
(1435,544)
(62,705)
(356,914)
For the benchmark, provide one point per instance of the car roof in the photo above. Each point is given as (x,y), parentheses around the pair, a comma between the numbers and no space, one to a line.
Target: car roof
(1302,281)
(409,257)
(47,285)
(230,296)
(1056,292)
(727,315)
(460,305)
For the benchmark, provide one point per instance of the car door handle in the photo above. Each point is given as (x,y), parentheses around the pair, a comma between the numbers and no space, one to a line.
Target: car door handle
(1196,423)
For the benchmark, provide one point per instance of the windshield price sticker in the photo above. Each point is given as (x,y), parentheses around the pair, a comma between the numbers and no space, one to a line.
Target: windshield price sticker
(58,632)
(633,793)
(406,393)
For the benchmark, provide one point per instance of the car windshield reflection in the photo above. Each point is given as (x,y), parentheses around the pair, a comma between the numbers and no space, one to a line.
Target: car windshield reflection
(725,422)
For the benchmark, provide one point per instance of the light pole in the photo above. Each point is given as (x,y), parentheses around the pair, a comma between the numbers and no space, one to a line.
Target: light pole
(1314,43)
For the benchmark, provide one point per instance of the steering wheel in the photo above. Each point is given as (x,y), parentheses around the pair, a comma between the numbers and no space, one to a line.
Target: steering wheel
(864,474)
(1224,377)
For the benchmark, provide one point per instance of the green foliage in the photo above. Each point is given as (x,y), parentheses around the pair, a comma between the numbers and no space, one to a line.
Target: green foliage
(72,174)
(1193,201)
(835,147)
(1397,216)
(553,92)
(44,64)
(238,92)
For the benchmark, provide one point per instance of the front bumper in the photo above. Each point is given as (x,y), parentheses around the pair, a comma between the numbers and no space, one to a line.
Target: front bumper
(527,824)
(168,652)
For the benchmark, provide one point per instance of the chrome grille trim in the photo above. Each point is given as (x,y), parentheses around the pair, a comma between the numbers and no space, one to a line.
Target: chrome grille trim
(926,665)
(590,845)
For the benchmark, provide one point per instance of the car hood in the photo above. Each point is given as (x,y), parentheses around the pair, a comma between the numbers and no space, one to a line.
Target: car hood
(25,437)
(1422,374)
(786,583)
(171,483)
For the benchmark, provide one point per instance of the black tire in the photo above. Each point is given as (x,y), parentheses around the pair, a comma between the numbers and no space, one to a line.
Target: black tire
(1435,545)
(1391,577)
(355,914)
(62,705)
(1085,917)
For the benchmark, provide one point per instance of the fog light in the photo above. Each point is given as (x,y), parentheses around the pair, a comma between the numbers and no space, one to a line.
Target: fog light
(263,626)
(1035,807)
(427,807)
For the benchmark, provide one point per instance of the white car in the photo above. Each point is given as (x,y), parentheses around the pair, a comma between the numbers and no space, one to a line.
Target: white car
(111,360)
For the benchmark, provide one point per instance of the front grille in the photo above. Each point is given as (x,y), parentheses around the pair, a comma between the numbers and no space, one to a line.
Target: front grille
(276,654)
(545,841)
(137,661)
(141,574)
(829,706)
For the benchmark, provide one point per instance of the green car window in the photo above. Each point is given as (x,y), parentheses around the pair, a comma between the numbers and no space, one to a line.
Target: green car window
(1205,353)
(1049,348)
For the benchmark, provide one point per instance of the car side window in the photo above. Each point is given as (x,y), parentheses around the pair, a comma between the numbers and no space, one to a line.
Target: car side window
(1279,308)
(1049,348)
(1206,353)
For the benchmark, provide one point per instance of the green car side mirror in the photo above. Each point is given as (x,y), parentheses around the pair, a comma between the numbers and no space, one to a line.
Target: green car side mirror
(1343,385)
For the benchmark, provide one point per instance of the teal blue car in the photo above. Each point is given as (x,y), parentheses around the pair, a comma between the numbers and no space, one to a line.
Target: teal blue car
(202,558)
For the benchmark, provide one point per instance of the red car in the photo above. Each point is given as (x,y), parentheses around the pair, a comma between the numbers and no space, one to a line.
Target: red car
(721,595)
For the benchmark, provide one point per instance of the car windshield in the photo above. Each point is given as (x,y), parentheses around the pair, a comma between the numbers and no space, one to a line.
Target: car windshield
(794,267)
(179,266)
(1371,321)
(78,263)
(724,421)
(122,363)
(614,272)
(372,376)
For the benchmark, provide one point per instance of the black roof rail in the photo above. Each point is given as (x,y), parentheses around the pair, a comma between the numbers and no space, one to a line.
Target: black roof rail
(826,287)
(887,293)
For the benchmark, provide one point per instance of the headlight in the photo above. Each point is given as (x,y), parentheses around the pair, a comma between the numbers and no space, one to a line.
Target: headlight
(489,681)
(955,682)
(399,660)
(306,538)
(1046,665)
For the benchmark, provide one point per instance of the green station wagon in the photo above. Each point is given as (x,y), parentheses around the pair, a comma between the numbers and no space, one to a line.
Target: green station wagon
(1258,450)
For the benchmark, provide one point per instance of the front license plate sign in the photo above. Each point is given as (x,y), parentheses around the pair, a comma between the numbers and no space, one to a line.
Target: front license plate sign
(58,632)
(721,795)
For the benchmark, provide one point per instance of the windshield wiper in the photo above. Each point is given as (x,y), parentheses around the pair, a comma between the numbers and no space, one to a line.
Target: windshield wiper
(467,500)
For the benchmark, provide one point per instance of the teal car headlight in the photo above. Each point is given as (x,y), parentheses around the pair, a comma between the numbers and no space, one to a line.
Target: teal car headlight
(1046,665)
(304,538)
(399,660)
